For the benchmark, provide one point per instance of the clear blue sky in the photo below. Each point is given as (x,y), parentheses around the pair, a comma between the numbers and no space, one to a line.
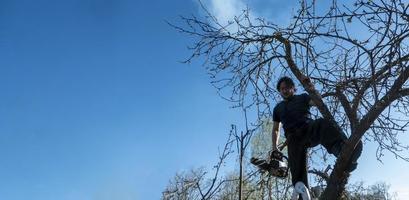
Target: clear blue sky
(95,105)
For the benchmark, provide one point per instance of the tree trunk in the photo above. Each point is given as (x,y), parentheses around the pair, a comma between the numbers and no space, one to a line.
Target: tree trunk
(339,176)
(241,168)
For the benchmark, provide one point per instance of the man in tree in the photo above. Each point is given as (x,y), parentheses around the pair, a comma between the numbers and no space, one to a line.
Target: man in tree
(303,132)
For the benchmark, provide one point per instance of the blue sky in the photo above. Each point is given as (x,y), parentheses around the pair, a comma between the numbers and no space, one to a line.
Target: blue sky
(95,105)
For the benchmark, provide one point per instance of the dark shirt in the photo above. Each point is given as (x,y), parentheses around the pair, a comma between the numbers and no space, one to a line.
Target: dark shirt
(293,113)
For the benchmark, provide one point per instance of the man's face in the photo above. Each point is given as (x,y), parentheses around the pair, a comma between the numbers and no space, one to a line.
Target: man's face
(286,91)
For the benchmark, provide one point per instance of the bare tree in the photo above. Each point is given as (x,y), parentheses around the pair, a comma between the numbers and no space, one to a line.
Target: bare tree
(357,56)
(242,141)
(197,184)
(247,183)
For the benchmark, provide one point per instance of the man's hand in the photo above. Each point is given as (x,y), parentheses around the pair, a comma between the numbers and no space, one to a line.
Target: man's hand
(278,148)
(274,148)
(305,79)
(282,146)
(307,82)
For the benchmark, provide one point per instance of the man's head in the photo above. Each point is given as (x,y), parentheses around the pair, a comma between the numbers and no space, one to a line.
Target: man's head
(286,87)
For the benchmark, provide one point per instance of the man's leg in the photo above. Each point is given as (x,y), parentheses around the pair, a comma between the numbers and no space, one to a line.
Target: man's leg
(297,161)
(333,140)
(337,148)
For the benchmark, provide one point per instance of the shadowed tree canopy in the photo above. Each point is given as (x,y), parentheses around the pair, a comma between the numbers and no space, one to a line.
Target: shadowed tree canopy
(356,56)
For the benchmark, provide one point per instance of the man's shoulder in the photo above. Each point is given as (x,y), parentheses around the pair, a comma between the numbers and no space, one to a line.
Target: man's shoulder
(303,95)
(279,105)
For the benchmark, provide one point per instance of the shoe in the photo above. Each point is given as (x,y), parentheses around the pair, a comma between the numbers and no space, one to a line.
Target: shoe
(301,190)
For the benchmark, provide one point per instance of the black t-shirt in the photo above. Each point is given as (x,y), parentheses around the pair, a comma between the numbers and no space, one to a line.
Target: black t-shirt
(293,113)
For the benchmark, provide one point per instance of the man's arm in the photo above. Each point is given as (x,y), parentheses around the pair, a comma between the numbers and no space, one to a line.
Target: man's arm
(275,134)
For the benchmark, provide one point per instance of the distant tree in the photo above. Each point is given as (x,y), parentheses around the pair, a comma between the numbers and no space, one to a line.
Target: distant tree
(377,191)
(357,55)
(200,183)
(261,142)
(184,186)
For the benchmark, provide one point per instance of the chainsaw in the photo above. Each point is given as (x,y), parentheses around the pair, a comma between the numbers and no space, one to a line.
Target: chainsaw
(276,166)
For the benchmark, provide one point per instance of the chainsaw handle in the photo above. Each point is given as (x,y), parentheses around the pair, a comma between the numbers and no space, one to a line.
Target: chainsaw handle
(279,149)
(282,146)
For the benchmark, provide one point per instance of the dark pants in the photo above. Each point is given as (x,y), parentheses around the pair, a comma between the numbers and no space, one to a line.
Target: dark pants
(316,132)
